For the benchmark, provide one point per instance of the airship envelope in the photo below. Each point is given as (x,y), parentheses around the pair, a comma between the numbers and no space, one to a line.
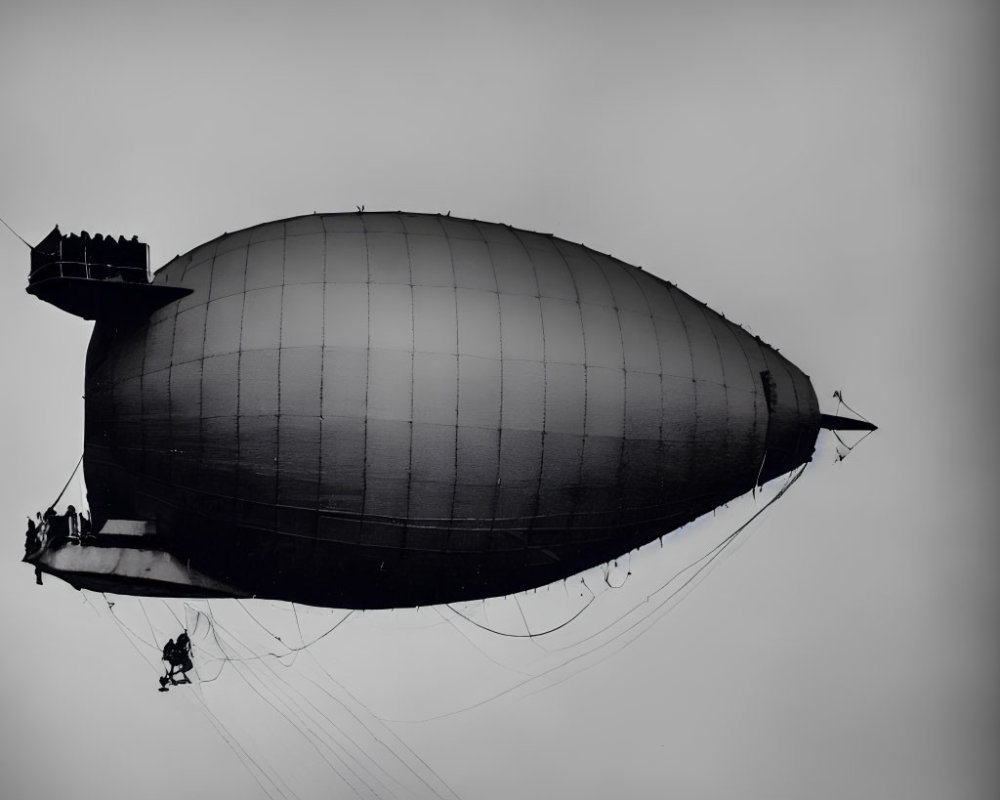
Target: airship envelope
(390,409)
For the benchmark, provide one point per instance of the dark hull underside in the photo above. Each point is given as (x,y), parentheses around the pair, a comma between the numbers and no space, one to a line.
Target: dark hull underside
(325,558)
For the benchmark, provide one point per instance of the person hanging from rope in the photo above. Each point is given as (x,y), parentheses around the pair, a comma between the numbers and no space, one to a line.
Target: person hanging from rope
(168,656)
(178,657)
(183,648)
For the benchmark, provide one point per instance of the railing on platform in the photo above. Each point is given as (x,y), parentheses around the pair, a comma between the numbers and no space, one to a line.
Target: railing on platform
(87,270)
(58,528)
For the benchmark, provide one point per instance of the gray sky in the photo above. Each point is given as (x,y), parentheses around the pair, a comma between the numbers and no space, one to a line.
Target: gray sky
(824,173)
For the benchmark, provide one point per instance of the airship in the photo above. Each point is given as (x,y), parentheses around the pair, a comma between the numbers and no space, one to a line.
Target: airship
(372,410)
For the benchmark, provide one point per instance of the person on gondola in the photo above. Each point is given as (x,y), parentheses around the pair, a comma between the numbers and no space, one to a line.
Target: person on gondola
(86,532)
(31,538)
(58,527)
(72,524)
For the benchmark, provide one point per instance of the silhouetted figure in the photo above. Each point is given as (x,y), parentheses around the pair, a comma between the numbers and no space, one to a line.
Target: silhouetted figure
(30,538)
(178,656)
(41,529)
(86,529)
(57,526)
(72,523)
(182,651)
(168,656)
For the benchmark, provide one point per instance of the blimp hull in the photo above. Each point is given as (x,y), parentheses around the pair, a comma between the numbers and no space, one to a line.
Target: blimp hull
(374,410)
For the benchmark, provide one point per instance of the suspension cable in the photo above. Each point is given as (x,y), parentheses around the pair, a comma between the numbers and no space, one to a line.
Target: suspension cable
(68,480)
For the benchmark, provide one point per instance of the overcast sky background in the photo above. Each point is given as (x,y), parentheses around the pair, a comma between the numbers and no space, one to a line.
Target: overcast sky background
(823,172)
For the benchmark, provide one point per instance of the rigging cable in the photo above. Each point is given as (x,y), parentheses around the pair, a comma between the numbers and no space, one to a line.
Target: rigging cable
(607,573)
(392,733)
(708,558)
(231,741)
(343,705)
(226,736)
(848,447)
(330,740)
(291,650)
(302,639)
(56,501)
(524,619)
(486,655)
(840,401)
(205,704)
(223,649)
(529,635)
(125,626)
(711,556)
(306,729)
(148,622)
(303,715)
(15,233)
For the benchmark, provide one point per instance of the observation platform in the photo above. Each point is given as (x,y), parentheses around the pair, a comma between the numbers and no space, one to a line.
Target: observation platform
(97,277)
(125,557)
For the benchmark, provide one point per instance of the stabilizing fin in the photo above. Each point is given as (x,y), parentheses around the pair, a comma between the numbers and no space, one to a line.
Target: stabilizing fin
(834,423)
